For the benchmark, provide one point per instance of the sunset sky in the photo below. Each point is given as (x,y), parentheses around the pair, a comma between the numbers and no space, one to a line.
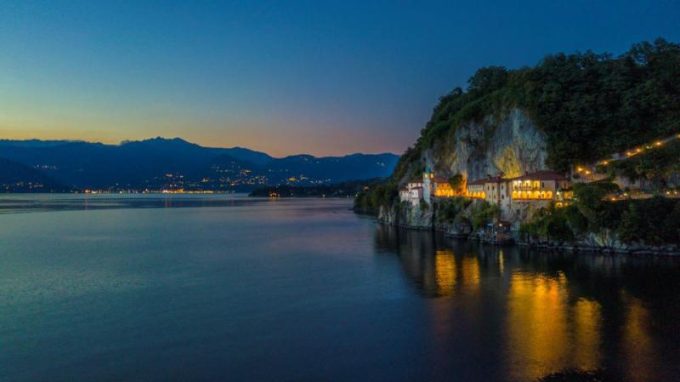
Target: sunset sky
(319,77)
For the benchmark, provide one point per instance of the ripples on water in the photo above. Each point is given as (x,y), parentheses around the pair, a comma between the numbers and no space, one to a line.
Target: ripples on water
(232,288)
(10,204)
(554,311)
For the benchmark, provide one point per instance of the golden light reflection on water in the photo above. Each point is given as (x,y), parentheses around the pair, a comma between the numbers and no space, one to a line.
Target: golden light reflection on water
(637,342)
(546,333)
(470,273)
(445,272)
(450,273)
(537,325)
(538,314)
(501,261)
(587,327)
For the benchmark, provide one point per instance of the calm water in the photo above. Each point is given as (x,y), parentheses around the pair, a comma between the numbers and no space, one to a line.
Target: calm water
(230,288)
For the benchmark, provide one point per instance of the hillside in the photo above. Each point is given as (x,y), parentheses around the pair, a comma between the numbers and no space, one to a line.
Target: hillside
(15,177)
(177,164)
(566,110)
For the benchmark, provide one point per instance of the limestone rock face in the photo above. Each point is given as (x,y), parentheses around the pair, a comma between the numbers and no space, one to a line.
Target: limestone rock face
(511,145)
(407,215)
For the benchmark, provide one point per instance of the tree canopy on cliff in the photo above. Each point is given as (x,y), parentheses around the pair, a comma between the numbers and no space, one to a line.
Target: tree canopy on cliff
(589,105)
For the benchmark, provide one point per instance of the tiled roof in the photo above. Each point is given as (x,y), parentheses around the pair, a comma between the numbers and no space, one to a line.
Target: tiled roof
(493,179)
(478,182)
(538,175)
(541,175)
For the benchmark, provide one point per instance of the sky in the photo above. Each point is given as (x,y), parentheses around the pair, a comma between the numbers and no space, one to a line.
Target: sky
(284,77)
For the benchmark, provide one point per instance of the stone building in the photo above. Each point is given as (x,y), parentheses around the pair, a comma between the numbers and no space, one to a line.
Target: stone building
(529,188)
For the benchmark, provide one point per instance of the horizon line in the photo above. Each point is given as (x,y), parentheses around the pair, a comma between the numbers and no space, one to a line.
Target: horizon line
(128,141)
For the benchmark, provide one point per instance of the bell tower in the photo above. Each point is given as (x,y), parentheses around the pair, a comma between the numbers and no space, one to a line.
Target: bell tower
(428,186)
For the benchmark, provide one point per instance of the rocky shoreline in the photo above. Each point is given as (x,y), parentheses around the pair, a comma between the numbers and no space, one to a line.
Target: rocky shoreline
(593,243)
(636,250)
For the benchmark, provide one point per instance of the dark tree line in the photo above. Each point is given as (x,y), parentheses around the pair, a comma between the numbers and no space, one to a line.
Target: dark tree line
(589,105)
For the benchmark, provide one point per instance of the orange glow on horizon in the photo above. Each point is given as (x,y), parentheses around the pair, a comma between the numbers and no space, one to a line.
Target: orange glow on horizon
(277,145)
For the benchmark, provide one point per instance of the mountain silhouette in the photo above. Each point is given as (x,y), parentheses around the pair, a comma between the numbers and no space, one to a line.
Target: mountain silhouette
(161,163)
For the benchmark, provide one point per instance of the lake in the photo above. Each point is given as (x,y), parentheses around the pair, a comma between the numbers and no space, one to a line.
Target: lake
(225,287)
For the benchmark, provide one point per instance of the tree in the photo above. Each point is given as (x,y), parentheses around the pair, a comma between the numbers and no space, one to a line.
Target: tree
(484,213)
(589,201)
(457,182)
(488,79)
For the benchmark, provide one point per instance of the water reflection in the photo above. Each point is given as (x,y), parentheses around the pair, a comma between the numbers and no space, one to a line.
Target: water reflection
(637,343)
(587,316)
(440,272)
(537,325)
(531,314)
(445,271)
(15,203)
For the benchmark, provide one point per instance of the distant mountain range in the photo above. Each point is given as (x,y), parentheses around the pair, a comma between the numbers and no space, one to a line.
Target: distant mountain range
(170,164)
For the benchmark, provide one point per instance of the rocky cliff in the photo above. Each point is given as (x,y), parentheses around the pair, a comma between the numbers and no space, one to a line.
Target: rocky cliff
(566,110)
(509,143)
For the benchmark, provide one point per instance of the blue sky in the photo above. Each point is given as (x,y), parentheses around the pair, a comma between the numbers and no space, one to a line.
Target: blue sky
(320,77)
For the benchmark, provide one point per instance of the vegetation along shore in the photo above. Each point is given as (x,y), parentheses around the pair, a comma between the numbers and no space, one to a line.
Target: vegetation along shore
(579,152)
